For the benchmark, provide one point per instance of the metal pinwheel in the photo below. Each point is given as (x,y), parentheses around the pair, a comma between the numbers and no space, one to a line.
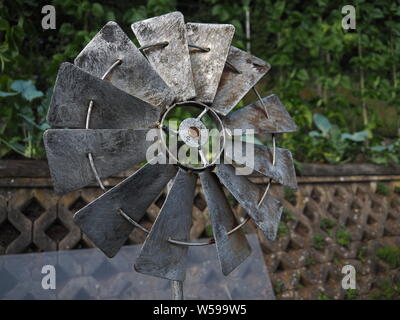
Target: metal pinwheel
(104,105)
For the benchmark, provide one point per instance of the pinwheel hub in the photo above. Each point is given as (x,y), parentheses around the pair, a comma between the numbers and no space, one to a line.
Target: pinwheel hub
(193,132)
(203,132)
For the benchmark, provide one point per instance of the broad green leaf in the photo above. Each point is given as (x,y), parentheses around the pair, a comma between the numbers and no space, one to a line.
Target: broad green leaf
(17,147)
(27,89)
(322,123)
(356,137)
(8,94)
(97,10)
(110,16)
(314,134)
(3,24)
(67,29)
(378,148)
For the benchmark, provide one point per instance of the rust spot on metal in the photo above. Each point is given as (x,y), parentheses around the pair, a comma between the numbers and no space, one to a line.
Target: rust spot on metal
(260,67)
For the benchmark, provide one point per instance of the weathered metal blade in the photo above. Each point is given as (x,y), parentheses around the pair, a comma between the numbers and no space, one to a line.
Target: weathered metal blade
(283,171)
(172,62)
(207,67)
(159,257)
(113,150)
(254,117)
(112,108)
(100,220)
(134,75)
(234,84)
(267,216)
(232,249)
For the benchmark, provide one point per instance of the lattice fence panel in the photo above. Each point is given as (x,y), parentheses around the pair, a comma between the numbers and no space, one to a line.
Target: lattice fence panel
(324,227)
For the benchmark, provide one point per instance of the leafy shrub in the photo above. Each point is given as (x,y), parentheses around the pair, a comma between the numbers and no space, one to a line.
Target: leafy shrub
(382,189)
(289,194)
(351,294)
(387,290)
(390,255)
(319,241)
(343,237)
(362,254)
(351,78)
(327,224)
(283,229)
(279,287)
(23,124)
(323,296)
(333,144)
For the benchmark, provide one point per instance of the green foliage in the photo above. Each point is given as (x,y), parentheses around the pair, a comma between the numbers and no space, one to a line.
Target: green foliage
(387,290)
(287,215)
(319,241)
(336,260)
(317,68)
(385,154)
(341,87)
(323,296)
(382,189)
(351,294)
(362,254)
(283,229)
(279,287)
(327,224)
(330,144)
(333,144)
(208,231)
(23,124)
(299,284)
(27,90)
(290,194)
(390,255)
(343,237)
(310,261)
(397,189)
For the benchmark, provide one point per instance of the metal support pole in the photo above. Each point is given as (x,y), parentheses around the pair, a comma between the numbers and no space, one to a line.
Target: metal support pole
(248,39)
(176,285)
(177,290)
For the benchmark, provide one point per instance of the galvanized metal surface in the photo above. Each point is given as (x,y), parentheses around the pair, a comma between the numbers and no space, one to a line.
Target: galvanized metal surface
(232,249)
(193,132)
(100,219)
(112,108)
(283,171)
(267,216)
(177,290)
(172,62)
(159,257)
(134,75)
(233,86)
(207,67)
(254,117)
(67,152)
(212,72)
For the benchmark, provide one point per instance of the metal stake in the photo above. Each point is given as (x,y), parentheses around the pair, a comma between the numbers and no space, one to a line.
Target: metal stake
(177,290)
(176,285)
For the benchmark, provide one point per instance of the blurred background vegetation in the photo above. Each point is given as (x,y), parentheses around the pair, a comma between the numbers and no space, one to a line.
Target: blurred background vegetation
(341,87)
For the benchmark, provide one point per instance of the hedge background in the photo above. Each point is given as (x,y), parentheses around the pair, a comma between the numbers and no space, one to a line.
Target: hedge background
(341,87)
